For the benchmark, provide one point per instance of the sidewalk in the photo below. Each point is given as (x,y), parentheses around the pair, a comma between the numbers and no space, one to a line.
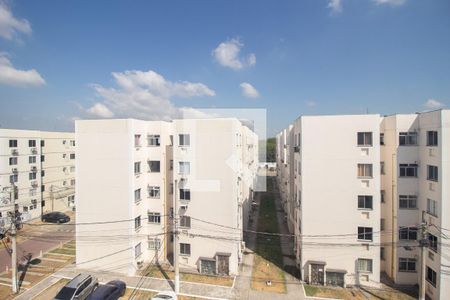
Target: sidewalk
(154,284)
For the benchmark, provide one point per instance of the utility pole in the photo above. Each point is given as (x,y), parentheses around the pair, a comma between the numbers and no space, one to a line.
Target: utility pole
(175,239)
(423,242)
(12,234)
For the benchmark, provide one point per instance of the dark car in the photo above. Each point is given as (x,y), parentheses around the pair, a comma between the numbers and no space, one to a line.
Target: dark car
(113,290)
(78,288)
(55,217)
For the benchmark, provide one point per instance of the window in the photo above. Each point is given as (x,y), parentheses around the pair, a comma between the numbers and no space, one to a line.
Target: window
(32,176)
(184,140)
(185,221)
(365,202)
(154,166)
(154,217)
(408,170)
(154,243)
(42,158)
(184,167)
(72,169)
(137,250)
(42,173)
(382,168)
(431,276)
(171,165)
(407,264)
(364,265)
(137,222)
(13,178)
(72,143)
(433,242)
(407,138)
(153,140)
(171,189)
(432,173)
(365,233)
(12,143)
(432,207)
(72,155)
(12,161)
(32,192)
(154,192)
(72,182)
(432,138)
(64,142)
(185,249)
(64,155)
(407,201)
(365,170)
(408,233)
(382,139)
(185,194)
(137,168)
(137,140)
(32,159)
(364,138)
(137,195)
(382,255)
(382,196)
(42,143)
(43,188)
(382,224)
(33,204)
(31,143)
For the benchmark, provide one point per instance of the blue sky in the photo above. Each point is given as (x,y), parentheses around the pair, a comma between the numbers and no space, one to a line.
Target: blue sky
(63,60)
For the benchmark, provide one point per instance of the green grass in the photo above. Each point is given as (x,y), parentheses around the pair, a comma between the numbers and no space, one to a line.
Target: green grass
(311,290)
(63,251)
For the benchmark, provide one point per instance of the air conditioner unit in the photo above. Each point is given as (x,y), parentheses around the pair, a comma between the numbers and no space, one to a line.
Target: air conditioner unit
(184,231)
(34,151)
(140,264)
(34,184)
(33,169)
(14,170)
(14,152)
(183,206)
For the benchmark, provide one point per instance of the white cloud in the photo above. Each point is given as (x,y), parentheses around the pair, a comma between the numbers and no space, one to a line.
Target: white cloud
(335,6)
(390,2)
(145,95)
(433,104)
(249,90)
(311,103)
(9,75)
(100,110)
(227,54)
(10,27)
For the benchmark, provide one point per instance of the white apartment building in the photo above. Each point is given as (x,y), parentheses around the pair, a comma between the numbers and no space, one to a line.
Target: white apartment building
(332,196)
(131,172)
(41,165)
(415,182)
(386,204)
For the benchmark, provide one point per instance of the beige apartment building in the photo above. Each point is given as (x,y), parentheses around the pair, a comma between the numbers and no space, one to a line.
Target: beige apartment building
(41,166)
(132,173)
(352,227)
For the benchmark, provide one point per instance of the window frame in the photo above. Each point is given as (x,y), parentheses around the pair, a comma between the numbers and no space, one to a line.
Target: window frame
(153,140)
(365,233)
(409,199)
(432,138)
(156,164)
(154,189)
(365,199)
(407,262)
(365,168)
(432,173)
(408,138)
(154,217)
(433,278)
(365,139)
(434,211)
(368,265)
(182,170)
(185,221)
(406,169)
(183,248)
(183,193)
(409,231)
(184,140)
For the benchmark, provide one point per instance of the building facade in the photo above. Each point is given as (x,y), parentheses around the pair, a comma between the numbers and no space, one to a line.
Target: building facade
(41,166)
(131,175)
(380,214)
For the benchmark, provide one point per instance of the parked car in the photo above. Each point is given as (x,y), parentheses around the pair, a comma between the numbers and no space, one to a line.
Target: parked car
(113,290)
(79,288)
(169,295)
(55,217)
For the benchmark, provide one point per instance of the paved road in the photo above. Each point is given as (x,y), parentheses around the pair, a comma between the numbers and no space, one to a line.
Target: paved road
(40,237)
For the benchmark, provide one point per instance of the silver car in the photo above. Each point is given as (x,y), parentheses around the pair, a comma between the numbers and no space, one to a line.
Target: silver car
(79,288)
